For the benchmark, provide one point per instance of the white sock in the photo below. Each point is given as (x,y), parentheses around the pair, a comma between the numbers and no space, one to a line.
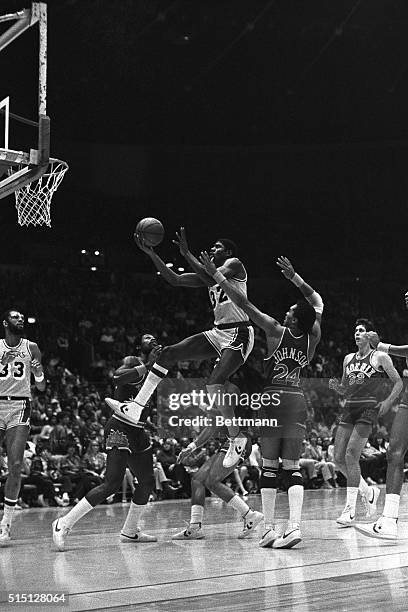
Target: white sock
(133,519)
(391,506)
(295,496)
(268,497)
(351,499)
(364,488)
(77,512)
(197,514)
(239,505)
(154,377)
(8,511)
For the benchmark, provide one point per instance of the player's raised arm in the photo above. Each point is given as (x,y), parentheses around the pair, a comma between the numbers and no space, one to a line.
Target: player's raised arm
(308,292)
(393,349)
(188,279)
(267,323)
(36,367)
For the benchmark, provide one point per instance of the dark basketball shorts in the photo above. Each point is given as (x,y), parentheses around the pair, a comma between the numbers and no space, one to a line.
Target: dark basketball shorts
(359,412)
(290,415)
(123,436)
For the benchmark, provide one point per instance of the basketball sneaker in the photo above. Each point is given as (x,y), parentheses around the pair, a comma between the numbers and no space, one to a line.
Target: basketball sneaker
(289,538)
(59,533)
(384,529)
(345,519)
(251,521)
(193,532)
(235,451)
(370,502)
(138,537)
(268,537)
(129,411)
(5,536)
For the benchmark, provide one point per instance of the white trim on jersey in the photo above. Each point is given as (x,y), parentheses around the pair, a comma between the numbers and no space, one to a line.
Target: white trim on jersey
(280,342)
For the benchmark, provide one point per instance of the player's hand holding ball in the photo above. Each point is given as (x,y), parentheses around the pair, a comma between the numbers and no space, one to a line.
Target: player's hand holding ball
(149,233)
(286,267)
(208,264)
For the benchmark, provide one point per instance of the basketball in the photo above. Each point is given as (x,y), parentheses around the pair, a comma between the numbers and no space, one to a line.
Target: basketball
(151,230)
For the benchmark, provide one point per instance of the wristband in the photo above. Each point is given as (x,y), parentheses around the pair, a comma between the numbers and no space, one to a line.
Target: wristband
(192,446)
(297,280)
(384,347)
(39,378)
(219,277)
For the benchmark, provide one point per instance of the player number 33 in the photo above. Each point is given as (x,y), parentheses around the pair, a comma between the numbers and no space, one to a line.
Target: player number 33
(15,369)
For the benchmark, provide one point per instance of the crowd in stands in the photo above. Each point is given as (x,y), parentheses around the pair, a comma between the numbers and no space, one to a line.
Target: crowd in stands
(93,321)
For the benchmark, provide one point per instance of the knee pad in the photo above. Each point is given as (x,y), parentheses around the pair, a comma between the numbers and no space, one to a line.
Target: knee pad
(292,478)
(269,478)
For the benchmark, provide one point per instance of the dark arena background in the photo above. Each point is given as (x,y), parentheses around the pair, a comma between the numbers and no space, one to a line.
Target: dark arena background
(282,125)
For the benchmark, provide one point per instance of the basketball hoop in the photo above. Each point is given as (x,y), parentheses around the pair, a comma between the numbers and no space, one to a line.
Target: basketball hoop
(33,201)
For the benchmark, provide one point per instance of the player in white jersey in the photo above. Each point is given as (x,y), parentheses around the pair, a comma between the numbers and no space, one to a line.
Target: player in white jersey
(18,358)
(231,339)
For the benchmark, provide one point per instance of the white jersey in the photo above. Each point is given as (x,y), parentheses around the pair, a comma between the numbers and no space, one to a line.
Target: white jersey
(225,311)
(15,377)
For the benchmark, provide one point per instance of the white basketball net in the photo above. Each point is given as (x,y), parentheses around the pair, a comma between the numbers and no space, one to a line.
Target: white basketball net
(33,201)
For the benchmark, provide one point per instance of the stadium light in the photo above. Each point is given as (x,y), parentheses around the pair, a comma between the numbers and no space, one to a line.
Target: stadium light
(31,320)
(83,252)
(97,253)
(93,268)
(180,269)
(169,265)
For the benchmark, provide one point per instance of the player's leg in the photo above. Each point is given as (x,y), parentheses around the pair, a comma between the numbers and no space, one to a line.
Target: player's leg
(194,528)
(15,440)
(343,433)
(141,465)
(116,463)
(194,348)
(214,482)
(293,436)
(230,361)
(386,526)
(268,483)
(356,443)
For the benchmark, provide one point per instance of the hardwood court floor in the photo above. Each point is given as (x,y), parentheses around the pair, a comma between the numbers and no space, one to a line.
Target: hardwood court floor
(332,569)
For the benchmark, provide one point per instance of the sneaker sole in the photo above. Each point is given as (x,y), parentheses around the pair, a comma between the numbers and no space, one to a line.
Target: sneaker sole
(268,541)
(290,544)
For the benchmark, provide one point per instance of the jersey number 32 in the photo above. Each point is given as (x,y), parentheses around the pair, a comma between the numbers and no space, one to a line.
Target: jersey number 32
(217,296)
